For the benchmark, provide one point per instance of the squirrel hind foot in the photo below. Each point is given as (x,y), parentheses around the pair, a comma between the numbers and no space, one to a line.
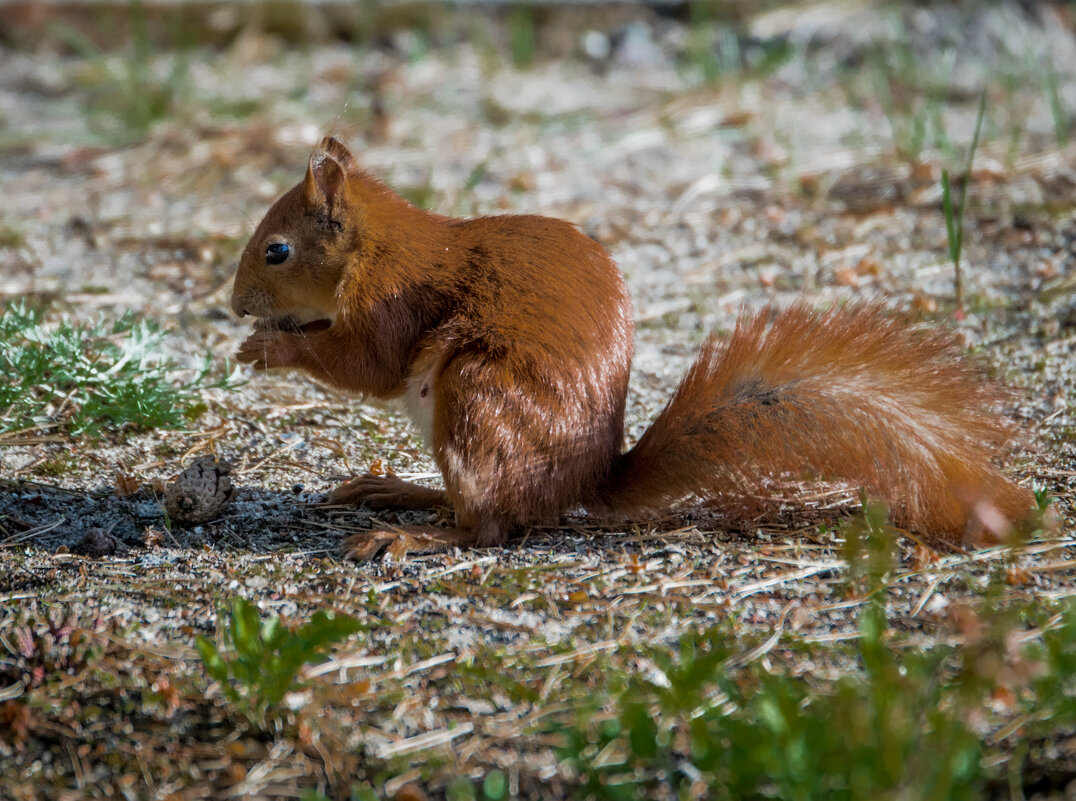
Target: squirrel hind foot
(397,543)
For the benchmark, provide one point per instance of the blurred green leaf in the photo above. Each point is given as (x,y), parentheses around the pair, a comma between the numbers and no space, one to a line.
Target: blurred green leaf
(266,657)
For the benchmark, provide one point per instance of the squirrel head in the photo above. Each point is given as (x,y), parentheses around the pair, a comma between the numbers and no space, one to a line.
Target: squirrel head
(292,266)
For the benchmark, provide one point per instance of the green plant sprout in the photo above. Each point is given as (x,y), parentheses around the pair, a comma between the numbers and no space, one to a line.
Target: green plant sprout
(1062,121)
(89,378)
(954,220)
(261,660)
(1043,500)
(522,35)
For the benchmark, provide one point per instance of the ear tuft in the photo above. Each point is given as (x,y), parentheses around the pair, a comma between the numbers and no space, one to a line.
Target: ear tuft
(338,150)
(325,183)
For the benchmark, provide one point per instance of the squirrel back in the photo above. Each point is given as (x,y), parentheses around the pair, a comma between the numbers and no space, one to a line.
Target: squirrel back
(510,340)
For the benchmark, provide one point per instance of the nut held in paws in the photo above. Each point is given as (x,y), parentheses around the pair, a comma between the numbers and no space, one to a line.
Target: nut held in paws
(200,492)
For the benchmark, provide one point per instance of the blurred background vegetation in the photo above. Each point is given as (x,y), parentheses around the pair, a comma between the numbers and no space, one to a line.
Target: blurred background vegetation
(141,58)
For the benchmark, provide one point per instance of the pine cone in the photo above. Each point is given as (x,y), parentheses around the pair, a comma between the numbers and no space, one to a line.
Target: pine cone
(200,492)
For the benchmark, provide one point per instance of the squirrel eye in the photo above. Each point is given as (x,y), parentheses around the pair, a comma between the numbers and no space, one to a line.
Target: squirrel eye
(276,252)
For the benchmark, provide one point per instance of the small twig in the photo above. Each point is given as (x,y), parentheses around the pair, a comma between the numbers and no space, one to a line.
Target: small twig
(926,595)
(15,539)
(763,648)
(343,664)
(422,742)
(794,575)
(282,449)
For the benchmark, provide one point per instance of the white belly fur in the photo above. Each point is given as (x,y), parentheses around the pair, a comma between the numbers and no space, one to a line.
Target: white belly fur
(418,397)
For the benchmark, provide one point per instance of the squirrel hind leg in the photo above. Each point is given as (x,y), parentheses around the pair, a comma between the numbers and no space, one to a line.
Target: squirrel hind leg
(518,445)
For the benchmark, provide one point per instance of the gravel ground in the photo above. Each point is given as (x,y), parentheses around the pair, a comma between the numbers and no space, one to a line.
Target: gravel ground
(801,159)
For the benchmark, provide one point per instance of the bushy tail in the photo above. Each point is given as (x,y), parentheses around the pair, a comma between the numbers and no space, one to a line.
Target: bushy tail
(848,394)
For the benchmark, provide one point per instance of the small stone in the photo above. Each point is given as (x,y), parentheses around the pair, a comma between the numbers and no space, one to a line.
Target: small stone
(596,45)
(97,543)
(200,492)
(635,47)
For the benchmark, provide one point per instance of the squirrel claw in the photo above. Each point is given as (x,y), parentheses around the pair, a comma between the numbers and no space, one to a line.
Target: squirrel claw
(367,545)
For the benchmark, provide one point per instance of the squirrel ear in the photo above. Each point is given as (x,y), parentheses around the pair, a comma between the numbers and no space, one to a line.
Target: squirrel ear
(338,150)
(325,183)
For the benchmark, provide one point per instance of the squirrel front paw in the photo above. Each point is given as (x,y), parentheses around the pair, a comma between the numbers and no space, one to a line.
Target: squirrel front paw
(386,492)
(267,348)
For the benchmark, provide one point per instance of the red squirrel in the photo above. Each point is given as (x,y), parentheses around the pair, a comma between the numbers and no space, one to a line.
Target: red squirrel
(510,338)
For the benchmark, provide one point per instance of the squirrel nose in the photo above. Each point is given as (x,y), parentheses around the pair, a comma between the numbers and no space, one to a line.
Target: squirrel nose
(239,306)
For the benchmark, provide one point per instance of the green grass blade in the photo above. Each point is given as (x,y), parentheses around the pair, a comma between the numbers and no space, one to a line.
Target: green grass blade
(967,173)
(950,217)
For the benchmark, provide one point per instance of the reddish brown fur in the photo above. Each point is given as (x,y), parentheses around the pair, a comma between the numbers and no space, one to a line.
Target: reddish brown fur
(511,338)
(850,394)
